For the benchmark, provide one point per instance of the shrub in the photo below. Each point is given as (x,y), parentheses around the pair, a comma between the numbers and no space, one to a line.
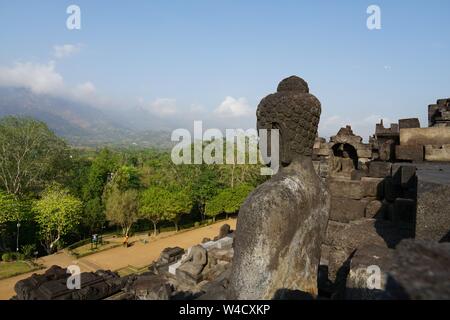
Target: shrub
(7,257)
(28,250)
(18,256)
(197,224)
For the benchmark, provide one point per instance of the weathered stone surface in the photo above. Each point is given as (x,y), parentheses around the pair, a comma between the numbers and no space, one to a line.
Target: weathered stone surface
(337,264)
(375,209)
(409,123)
(282,223)
(438,114)
(52,285)
(218,288)
(364,153)
(425,136)
(437,153)
(372,187)
(222,254)
(359,232)
(344,239)
(169,255)
(361,285)
(316,165)
(433,202)
(345,209)
(333,228)
(413,153)
(149,287)
(404,174)
(357,175)
(387,150)
(322,152)
(192,265)
(379,169)
(345,188)
(420,271)
(383,134)
(323,169)
(345,135)
(224,231)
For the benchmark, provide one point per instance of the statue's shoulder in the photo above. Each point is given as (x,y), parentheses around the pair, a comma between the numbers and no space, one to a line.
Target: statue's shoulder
(278,192)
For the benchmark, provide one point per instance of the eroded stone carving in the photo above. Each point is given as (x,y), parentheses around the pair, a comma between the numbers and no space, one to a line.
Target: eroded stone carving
(193,264)
(282,223)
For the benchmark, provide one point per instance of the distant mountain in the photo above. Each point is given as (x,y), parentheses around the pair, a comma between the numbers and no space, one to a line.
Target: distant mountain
(80,124)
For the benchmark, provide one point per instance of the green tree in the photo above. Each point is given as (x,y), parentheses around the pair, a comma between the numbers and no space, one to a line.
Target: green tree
(101,169)
(216,205)
(12,209)
(237,198)
(228,200)
(178,203)
(122,208)
(205,186)
(9,207)
(104,164)
(30,155)
(126,177)
(94,215)
(153,204)
(57,214)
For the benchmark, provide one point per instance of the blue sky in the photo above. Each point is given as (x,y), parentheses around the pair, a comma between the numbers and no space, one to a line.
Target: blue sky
(217,59)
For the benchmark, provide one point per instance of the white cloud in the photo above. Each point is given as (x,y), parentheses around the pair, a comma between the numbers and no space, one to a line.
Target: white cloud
(162,107)
(44,79)
(65,50)
(197,109)
(85,89)
(40,78)
(232,107)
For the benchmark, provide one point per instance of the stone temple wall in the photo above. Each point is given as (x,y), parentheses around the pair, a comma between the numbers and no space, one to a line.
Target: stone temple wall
(398,189)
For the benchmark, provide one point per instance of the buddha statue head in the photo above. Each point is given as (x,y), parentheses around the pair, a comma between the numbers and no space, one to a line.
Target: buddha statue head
(295,113)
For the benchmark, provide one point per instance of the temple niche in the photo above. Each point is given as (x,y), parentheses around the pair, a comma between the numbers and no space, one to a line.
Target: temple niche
(345,155)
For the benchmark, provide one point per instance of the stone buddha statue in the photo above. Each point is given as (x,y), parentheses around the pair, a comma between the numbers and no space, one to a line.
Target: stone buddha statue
(282,223)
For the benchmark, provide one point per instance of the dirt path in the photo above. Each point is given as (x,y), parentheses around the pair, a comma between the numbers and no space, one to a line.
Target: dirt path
(138,255)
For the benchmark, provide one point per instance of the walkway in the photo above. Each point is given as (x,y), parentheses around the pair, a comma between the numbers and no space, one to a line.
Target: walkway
(138,255)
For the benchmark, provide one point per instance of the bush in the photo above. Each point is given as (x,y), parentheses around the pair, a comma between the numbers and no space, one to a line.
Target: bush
(197,224)
(28,250)
(7,257)
(18,256)
(60,245)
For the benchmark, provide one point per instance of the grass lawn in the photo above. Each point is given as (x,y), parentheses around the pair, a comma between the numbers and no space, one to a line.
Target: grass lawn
(86,250)
(131,270)
(10,269)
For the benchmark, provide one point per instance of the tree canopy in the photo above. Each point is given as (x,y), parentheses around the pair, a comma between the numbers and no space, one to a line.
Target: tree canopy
(57,214)
(30,155)
(178,203)
(153,204)
(229,200)
(122,208)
